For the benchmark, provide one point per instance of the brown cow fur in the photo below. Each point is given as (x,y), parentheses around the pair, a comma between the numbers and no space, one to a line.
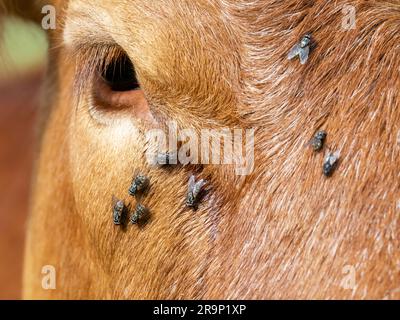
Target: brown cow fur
(285,231)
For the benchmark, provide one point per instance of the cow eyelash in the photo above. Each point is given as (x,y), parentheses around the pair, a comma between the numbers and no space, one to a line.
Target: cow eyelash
(109,62)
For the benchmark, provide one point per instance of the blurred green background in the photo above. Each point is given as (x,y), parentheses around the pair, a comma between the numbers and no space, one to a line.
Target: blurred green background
(23,51)
(23,48)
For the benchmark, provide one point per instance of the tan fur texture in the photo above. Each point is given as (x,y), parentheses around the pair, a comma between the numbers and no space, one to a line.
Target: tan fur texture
(285,231)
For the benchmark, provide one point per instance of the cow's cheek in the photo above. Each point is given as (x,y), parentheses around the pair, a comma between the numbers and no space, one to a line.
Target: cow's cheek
(102,161)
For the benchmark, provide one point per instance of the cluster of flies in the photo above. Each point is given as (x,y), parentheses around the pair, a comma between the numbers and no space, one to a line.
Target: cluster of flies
(331,160)
(141,182)
(139,185)
(302,50)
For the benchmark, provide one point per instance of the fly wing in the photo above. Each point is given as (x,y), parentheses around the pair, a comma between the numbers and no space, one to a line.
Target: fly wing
(335,157)
(304,54)
(198,186)
(191,183)
(294,51)
(114,201)
(308,143)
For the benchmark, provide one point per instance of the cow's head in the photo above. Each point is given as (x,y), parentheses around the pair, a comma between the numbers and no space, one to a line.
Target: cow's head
(119,69)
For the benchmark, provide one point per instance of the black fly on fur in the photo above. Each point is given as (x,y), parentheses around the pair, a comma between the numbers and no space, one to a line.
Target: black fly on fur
(119,210)
(194,190)
(139,183)
(317,142)
(301,49)
(166,158)
(139,213)
(330,164)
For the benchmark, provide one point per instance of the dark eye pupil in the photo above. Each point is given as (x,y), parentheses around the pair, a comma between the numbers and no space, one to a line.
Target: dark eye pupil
(120,75)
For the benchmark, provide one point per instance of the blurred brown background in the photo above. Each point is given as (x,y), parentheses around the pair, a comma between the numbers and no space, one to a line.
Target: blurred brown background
(22,59)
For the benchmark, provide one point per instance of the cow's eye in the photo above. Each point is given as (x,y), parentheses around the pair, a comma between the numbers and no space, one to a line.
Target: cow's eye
(116,89)
(120,75)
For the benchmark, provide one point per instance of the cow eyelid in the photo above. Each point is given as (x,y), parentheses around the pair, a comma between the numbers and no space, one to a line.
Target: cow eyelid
(97,58)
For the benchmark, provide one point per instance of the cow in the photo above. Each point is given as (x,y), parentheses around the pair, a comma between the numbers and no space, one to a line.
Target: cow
(283,230)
